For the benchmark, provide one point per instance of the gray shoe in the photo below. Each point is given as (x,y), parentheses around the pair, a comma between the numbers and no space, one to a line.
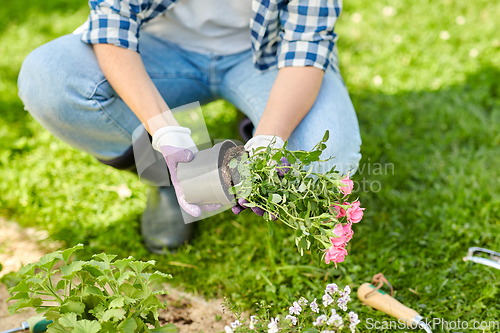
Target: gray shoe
(162,224)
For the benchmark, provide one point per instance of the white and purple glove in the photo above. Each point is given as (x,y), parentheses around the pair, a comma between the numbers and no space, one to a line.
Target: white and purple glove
(263,141)
(176,145)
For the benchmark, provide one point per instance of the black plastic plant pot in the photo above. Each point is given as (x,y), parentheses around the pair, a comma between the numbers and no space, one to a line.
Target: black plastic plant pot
(201,179)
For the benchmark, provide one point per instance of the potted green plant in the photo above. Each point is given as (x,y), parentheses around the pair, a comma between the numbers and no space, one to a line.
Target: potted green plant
(316,205)
(98,295)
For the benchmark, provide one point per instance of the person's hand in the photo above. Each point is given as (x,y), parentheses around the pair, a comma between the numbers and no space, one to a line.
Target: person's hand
(176,145)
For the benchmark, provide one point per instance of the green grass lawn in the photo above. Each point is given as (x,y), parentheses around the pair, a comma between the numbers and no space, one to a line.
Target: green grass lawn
(424,79)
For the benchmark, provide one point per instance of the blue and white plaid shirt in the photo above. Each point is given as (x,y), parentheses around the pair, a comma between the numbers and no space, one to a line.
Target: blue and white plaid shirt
(283,32)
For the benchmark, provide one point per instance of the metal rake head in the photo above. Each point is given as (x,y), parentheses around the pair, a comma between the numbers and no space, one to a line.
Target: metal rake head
(493,261)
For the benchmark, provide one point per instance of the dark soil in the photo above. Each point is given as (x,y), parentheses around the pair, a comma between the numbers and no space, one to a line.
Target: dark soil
(232,176)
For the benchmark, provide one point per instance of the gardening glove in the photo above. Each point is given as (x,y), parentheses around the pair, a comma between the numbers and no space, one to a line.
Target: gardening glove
(176,145)
(263,141)
(240,206)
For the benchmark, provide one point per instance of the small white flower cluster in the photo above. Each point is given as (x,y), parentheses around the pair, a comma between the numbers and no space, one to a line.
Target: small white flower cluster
(234,325)
(302,312)
(273,325)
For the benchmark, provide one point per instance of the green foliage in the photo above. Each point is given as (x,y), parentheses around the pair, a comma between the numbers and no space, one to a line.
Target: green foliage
(298,197)
(98,295)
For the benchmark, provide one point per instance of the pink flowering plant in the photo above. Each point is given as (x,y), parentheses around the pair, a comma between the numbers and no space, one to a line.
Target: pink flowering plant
(317,205)
(328,314)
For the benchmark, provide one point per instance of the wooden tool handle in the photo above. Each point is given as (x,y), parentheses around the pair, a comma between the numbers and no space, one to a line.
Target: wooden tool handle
(385,303)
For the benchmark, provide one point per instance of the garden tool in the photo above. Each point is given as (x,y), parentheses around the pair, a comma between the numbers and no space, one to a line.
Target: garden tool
(34,324)
(494,260)
(201,178)
(378,299)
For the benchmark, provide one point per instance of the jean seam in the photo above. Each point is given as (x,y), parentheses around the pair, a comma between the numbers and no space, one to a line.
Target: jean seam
(118,126)
(176,75)
(103,109)
(93,92)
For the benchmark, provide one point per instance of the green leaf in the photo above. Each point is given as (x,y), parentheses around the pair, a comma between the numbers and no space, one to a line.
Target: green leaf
(20,295)
(309,171)
(98,310)
(25,303)
(276,198)
(170,328)
(127,326)
(107,258)
(123,263)
(35,280)
(73,306)
(124,277)
(326,136)
(302,187)
(139,266)
(61,284)
(115,314)
(129,290)
(68,320)
(66,254)
(51,314)
(117,302)
(28,269)
(152,301)
(96,268)
(159,275)
(57,328)
(87,326)
(233,163)
(92,290)
(277,157)
(48,260)
(69,271)
(303,243)
(21,286)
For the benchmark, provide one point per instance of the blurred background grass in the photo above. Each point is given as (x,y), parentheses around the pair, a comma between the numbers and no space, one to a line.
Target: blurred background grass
(424,78)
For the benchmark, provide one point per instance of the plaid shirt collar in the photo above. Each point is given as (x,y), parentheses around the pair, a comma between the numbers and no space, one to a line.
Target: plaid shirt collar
(283,32)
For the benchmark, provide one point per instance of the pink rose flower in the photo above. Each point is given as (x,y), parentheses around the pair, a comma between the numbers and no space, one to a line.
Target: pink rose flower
(336,254)
(348,231)
(349,185)
(339,211)
(341,239)
(354,213)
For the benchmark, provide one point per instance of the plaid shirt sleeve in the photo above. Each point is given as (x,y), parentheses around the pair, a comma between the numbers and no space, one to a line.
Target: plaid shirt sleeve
(307,37)
(117,22)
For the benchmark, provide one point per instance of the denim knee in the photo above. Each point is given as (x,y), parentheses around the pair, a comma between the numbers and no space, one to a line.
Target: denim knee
(34,81)
(56,76)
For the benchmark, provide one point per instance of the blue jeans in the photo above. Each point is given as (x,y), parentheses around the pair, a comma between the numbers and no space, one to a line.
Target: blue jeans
(63,88)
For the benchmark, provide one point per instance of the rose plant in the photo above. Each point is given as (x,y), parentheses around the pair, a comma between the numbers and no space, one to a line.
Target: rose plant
(280,185)
(326,315)
(98,295)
